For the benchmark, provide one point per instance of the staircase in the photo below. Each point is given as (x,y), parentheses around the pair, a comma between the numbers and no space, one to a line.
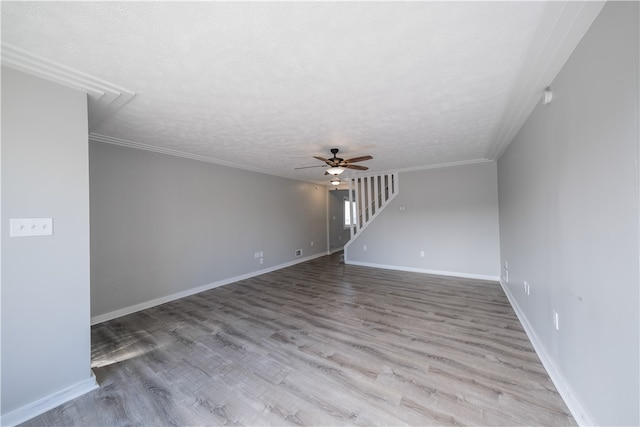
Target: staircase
(371,194)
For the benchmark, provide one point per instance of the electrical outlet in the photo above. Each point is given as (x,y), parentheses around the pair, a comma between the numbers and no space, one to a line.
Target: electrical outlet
(422,254)
(364,248)
(312,243)
(556,320)
(527,288)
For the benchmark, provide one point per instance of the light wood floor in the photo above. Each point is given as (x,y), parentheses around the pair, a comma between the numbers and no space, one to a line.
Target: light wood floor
(320,343)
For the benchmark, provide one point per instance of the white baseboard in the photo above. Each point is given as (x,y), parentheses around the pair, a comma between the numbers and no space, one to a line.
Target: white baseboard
(49,402)
(577,409)
(168,298)
(426,271)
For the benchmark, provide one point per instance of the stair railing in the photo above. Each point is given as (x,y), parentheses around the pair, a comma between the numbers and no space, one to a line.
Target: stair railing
(368,196)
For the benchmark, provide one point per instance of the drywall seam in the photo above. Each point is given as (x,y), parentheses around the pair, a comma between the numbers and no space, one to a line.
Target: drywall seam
(426,271)
(168,298)
(576,408)
(40,406)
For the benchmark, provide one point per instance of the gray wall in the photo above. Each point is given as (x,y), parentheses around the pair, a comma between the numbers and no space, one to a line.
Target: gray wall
(451,214)
(45,279)
(568,187)
(162,225)
(338,235)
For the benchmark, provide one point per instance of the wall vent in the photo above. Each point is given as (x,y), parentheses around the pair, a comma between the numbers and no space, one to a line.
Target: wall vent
(298,252)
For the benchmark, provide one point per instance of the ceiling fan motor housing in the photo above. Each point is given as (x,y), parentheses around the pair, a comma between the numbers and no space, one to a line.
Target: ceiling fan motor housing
(335,160)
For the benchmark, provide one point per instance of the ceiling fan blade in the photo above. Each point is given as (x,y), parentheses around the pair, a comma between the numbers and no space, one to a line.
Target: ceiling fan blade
(359,159)
(320,158)
(307,167)
(356,167)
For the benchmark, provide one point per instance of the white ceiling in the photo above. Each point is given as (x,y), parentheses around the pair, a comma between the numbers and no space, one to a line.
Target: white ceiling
(267,85)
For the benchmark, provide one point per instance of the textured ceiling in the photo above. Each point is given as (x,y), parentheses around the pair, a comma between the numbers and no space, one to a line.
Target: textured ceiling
(267,85)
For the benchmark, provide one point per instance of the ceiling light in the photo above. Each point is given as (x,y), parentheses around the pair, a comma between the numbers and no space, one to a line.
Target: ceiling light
(335,170)
(335,181)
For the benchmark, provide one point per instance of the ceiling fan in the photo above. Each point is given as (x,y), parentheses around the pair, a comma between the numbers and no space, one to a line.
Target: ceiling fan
(337,165)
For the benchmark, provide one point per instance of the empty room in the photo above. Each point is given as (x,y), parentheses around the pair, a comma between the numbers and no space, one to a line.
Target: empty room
(320,213)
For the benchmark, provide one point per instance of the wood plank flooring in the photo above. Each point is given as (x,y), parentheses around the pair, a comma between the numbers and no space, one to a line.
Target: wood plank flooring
(320,343)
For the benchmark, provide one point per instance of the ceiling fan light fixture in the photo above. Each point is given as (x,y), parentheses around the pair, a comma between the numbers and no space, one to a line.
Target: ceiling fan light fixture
(336,170)
(335,181)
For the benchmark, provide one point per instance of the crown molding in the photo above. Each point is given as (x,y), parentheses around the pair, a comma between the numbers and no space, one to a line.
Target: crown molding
(444,165)
(561,28)
(433,166)
(103,98)
(96,137)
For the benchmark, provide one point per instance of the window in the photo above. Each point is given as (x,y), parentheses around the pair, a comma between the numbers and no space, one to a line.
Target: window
(349,213)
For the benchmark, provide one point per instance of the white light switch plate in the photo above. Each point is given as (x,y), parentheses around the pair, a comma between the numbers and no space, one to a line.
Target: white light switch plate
(24,227)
